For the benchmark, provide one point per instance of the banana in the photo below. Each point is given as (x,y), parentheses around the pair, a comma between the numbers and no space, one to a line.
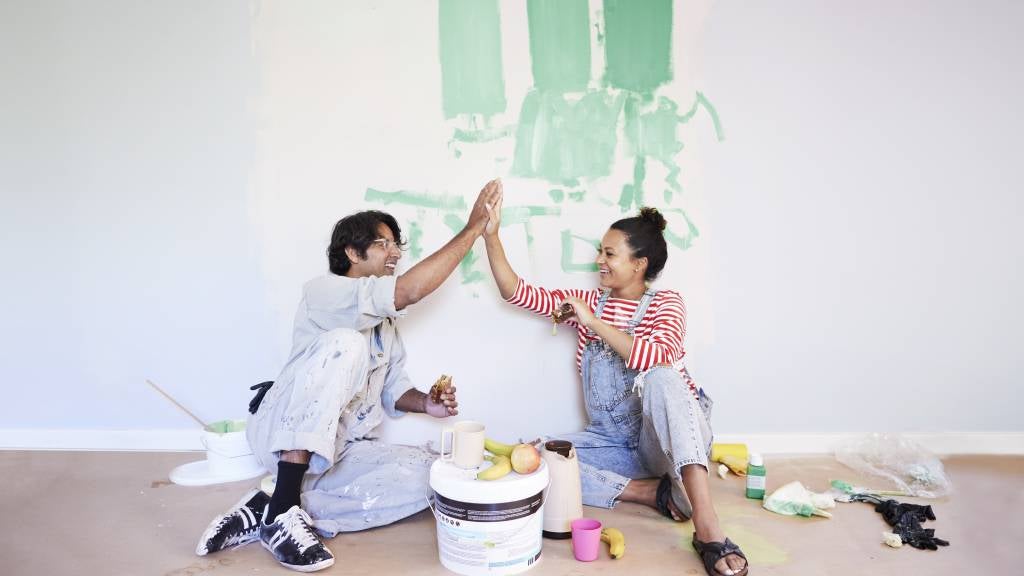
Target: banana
(616,541)
(497,448)
(500,466)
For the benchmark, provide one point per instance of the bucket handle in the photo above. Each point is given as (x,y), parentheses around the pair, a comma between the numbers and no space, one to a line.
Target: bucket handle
(430,504)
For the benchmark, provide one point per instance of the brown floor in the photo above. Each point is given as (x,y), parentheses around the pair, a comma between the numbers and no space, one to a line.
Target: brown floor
(112,513)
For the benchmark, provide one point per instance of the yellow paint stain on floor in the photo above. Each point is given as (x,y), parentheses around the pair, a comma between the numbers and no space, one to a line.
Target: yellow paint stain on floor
(758,549)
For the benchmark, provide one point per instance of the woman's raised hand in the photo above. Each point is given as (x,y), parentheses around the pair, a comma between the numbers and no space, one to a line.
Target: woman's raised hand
(494,212)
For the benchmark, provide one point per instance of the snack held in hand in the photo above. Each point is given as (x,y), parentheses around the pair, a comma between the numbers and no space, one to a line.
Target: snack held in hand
(439,387)
(563,313)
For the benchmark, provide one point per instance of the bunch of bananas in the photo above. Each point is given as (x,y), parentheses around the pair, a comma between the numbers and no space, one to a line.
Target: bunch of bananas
(501,461)
(500,466)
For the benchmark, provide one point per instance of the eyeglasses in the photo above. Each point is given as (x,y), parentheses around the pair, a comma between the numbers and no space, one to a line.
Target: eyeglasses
(386,244)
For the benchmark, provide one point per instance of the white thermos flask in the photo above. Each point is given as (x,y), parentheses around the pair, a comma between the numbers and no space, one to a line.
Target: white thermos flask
(563,498)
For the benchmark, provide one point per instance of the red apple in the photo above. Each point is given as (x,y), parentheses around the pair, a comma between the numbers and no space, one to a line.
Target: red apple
(525,458)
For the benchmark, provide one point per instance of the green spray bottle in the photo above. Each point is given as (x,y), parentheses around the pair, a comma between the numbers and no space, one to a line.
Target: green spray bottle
(755,477)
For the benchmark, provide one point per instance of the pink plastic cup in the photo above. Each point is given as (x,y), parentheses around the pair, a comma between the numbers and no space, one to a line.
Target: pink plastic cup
(586,539)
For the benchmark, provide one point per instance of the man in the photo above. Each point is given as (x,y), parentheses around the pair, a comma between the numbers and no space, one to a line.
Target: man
(346,369)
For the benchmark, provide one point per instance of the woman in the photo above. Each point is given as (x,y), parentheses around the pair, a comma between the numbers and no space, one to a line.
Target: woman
(648,436)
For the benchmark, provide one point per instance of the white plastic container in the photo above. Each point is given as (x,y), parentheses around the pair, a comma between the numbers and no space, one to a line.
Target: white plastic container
(228,457)
(488,527)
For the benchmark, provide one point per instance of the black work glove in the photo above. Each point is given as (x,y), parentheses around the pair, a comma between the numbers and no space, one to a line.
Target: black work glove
(892,511)
(911,532)
(254,404)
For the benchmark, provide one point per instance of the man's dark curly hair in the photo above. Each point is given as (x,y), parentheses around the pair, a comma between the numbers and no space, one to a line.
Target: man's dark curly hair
(358,230)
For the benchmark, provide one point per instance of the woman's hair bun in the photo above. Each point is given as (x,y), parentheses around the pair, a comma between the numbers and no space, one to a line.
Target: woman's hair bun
(652,216)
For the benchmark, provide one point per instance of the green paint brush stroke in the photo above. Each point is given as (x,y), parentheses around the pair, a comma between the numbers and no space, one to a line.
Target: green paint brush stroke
(469,275)
(654,134)
(523,214)
(421,199)
(685,241)
(567,250)
(481,135)
(702,102)
(472,78)
(560,44)
(633,194)
(638,44)
(415,240)
(562,141)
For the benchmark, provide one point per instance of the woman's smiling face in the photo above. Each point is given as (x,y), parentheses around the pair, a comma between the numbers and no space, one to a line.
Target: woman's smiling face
(619,271)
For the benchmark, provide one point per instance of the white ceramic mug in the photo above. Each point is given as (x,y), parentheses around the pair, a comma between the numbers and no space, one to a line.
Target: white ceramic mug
(467,444)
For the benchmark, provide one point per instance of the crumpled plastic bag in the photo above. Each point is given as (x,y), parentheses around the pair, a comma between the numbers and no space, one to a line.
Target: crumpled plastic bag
(794,499)
(899,460)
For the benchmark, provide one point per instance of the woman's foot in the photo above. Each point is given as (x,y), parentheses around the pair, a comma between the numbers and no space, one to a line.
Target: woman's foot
(705,521)
(710,532)
(646,492)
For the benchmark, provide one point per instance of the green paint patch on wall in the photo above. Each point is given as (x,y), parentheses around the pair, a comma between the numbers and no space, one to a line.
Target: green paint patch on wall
(562,141)
(469,275)
(481,135)
(415,240)
(684,239)
(472,77)
(523,214)
(638,44)
(653,133)
(569,264)
(633,194)
(702,102)
(560,44)
(419,199)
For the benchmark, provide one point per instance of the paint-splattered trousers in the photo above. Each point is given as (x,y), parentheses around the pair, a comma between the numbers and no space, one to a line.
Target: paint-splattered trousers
(367,483)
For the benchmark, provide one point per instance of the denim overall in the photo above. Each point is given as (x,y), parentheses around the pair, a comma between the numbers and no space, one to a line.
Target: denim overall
(634,433)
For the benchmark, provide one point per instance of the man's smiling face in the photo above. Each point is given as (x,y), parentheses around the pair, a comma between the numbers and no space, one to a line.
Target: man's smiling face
(381,257)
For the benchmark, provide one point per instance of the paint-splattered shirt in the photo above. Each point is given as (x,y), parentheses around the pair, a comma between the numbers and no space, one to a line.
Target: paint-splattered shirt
(366,305)
(658,339)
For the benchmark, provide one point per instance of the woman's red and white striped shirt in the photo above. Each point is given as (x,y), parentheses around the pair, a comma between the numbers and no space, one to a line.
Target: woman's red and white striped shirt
(658,339)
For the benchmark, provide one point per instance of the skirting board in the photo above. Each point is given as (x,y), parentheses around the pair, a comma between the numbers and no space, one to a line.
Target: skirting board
(188,439)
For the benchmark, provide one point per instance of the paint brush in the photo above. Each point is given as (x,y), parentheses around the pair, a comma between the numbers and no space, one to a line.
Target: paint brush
(176,403)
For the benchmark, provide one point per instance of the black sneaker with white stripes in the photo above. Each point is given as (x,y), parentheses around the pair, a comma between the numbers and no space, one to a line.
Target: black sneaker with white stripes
(290,538)
(239,525)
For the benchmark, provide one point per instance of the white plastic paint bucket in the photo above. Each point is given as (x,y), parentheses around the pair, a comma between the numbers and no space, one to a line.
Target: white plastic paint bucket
(226,446)
(488,527)
(228,457)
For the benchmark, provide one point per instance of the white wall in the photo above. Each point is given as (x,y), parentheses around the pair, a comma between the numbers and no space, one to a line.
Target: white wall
(170,173)
(867,265)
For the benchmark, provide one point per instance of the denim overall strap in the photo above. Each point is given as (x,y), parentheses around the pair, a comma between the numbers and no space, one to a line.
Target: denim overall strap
(601,301)
(641,309)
